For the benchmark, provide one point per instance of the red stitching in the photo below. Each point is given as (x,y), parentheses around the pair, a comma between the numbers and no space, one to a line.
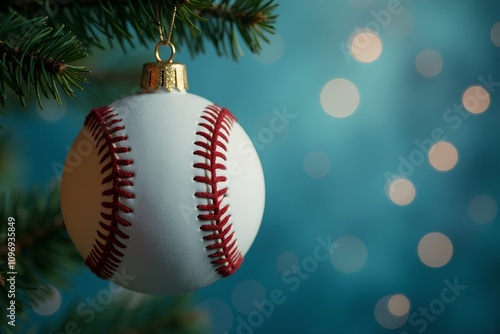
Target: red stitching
(216,125)
(104,257)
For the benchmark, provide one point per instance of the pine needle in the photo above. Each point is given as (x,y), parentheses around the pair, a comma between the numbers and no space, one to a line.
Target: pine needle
(43,249)
(36,57)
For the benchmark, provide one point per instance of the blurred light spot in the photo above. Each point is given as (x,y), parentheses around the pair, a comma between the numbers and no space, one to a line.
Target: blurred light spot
(476,99)
(365,45)
(339,98)
(386,318)
(483,209)
(128,299)
(350,256)
(401,25)
(435,249)
(51,111)
(49,306)
(401,191)
(360,3)
(399,305)
(286,261)
(429,63)
(443,156)
(317,164)
(217,314)
(272,51)
(245,293)
(495,34)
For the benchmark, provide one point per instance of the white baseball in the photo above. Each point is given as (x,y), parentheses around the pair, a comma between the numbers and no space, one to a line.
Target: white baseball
(162,193)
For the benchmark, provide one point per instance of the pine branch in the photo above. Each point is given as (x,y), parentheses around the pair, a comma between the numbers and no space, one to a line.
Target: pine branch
(156,315)
(36,57)
(39,58)
(43,251)
(118,20)
(251,19)
(35,236)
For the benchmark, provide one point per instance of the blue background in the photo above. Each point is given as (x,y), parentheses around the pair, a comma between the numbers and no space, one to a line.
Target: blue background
(347,192)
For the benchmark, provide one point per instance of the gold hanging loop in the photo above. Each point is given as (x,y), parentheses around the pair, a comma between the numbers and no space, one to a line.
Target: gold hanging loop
(172,51)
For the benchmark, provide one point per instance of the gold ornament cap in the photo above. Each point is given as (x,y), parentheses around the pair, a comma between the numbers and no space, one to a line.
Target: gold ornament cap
(166,74)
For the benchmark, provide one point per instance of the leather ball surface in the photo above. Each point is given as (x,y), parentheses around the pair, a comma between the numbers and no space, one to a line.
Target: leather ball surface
(162,193)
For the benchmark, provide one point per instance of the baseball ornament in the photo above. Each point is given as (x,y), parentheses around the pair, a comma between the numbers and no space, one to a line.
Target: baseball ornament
(162,192)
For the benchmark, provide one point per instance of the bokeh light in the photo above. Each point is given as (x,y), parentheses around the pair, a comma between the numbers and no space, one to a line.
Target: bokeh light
(443,156)
(483,209)
(365,45)
(495,34)
(50,305)
(217,314)
(339,98)
(350,256)
(245,293)
(273,51)
(317,164)
(435,249)
(129,299)
(385,317)
(429,63)
(399,305)
(476,99)
(51,111)
(286,261)
(401,191)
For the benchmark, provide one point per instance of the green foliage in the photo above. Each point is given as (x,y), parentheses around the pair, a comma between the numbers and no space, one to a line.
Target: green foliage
(43,250)
(40,57)
(223,22)
(138,314)
(36,57)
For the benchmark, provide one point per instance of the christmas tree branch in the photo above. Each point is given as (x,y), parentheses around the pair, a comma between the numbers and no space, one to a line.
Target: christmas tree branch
(233,15)
(173,319)
(43,251)
(35,54)
(92,20)
(132,312)
(35,236)
(36,57)
(251,19)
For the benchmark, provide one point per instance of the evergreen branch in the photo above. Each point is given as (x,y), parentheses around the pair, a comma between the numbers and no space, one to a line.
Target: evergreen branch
(36,57)
(116,20)
(35,54)
(251,19)
(43,251)
(156,315)
(35,236)
(162,318)
(112,20)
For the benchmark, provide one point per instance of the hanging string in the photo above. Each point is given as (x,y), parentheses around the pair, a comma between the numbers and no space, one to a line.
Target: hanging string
(172,21)
(169,37)
(160,21)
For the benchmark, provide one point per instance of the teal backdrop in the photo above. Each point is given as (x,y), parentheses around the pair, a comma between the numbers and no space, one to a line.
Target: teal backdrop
(369,227)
